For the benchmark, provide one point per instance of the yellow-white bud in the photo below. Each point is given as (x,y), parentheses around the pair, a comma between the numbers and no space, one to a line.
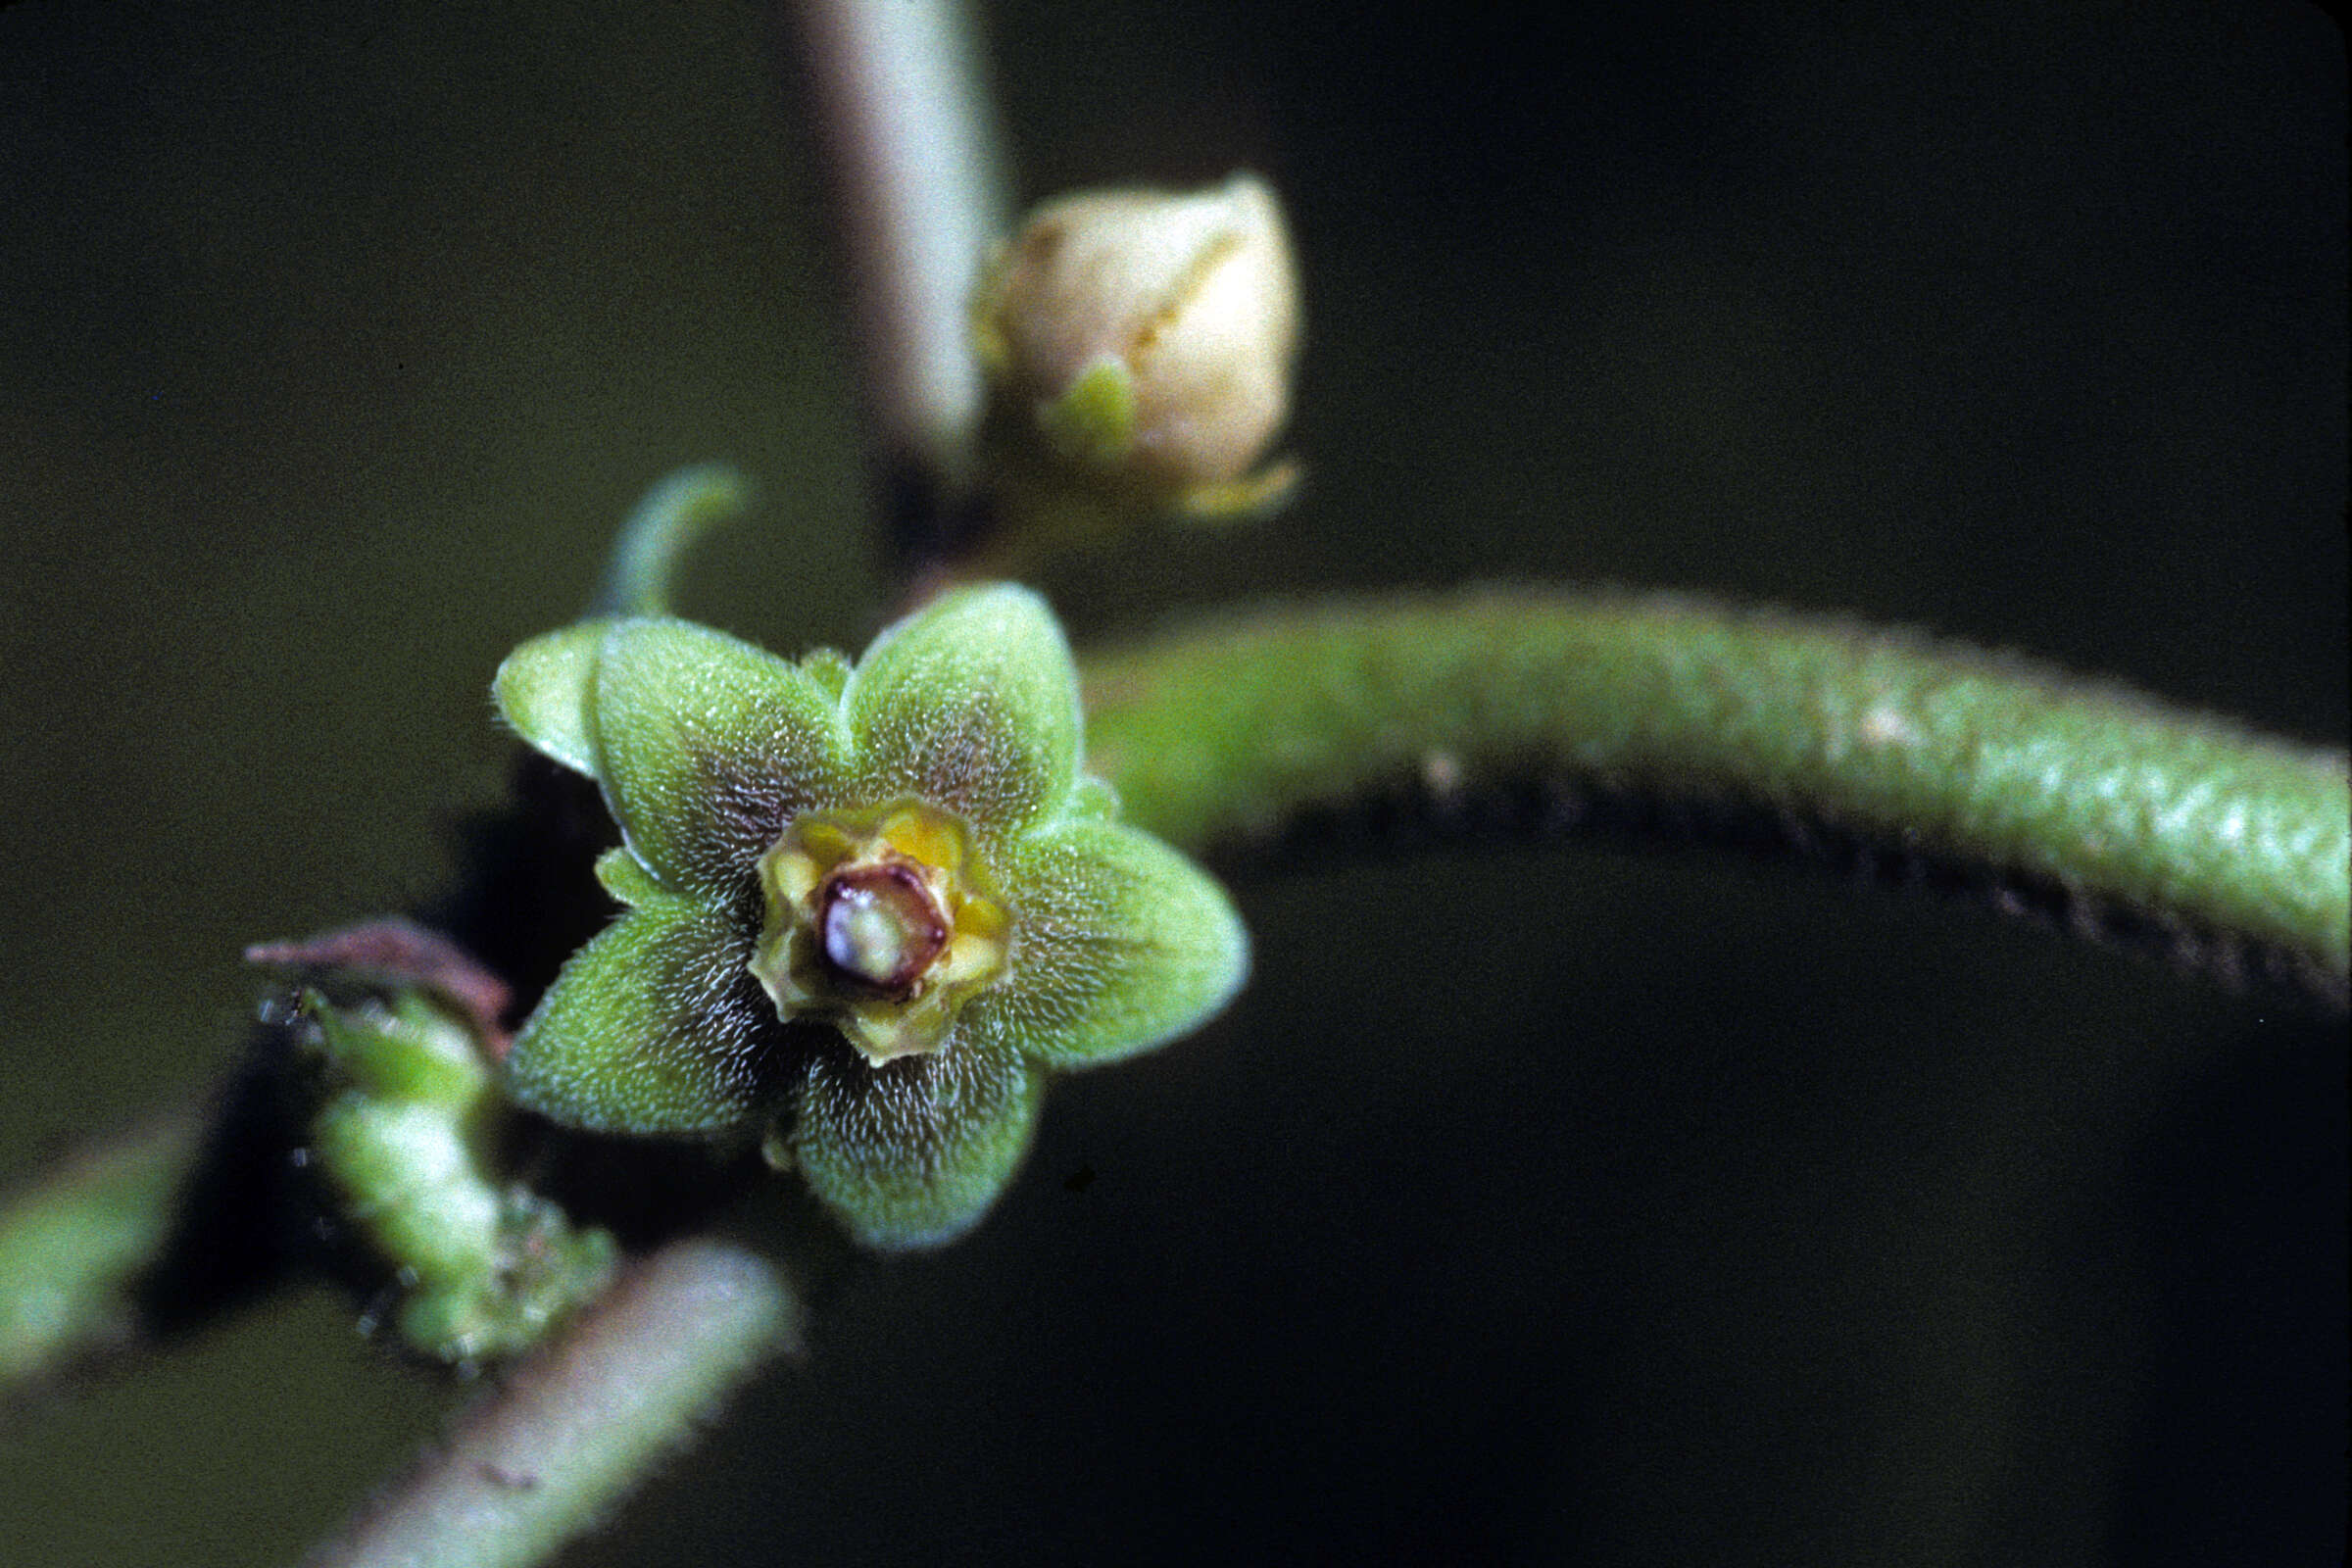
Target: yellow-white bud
(1147,338)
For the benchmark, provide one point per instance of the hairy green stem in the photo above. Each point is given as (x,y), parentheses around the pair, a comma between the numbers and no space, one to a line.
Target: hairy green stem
(1229,733)
(75,1243)
(572,1431)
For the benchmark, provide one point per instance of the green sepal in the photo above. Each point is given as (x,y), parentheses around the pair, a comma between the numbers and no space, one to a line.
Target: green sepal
(625,876)
(655,1027)
(1091,797)
(1093,422)
(830,668)
(409,1050)
(542,692)
(707,747)
(970,704)
(1252,498)
(1123,945)
(911,1153)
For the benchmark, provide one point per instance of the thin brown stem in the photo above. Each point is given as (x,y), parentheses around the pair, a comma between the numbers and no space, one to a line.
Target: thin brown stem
(575,1429)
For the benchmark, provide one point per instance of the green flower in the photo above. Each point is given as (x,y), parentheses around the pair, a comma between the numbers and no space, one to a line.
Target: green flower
(869,910)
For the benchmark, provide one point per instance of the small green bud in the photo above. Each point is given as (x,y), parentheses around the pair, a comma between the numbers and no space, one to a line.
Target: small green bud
(1139,345)
(870,909)
(402,1138)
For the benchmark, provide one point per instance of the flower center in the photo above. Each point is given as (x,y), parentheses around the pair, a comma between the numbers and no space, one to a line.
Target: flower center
(880,922)
(879,927)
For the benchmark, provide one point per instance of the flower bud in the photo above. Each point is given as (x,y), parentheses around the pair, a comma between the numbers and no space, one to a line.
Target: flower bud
(1140,344)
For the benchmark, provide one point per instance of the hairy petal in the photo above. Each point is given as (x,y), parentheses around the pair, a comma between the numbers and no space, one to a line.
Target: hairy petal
(912,1153)
(708,746)
(971,704)
(1121,943)
(542,691)
(654,1027)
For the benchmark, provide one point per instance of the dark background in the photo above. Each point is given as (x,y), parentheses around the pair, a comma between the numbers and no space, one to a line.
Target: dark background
(1538,1202)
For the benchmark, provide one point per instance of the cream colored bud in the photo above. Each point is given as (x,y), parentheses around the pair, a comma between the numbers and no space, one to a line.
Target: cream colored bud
(1148,337)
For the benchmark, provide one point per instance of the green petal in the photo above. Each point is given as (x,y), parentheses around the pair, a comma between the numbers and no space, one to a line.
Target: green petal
(707,747)
(542,690)
(971,704)
(654,1027)
(912,1153)
(1119,944)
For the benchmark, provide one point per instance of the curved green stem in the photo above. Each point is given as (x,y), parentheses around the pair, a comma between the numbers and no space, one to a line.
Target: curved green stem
(575,1429)
(641,577)
(1231,731)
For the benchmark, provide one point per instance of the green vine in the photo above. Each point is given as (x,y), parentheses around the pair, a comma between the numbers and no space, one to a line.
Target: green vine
(1225,734)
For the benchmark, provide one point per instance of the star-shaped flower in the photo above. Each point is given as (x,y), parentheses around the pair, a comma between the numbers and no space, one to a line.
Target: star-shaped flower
(869,910)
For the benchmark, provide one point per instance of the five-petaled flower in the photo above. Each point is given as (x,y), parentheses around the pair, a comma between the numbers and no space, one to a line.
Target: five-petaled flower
(868,910)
